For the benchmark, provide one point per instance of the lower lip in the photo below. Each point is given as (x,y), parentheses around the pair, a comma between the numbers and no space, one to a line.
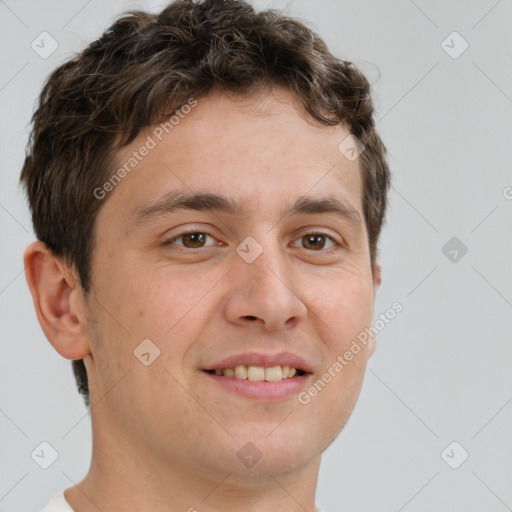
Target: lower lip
(262,390)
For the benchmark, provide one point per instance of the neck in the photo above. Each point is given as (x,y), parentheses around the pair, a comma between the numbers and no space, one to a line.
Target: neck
(122,478)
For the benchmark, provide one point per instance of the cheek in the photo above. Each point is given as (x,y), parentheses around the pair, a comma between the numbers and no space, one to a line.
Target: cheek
(345,307)
(346,310)
(137,299)
(166,306)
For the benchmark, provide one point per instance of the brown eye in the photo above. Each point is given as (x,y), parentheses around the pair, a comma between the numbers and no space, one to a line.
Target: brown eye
(315,241)
(194,240)
(191,240)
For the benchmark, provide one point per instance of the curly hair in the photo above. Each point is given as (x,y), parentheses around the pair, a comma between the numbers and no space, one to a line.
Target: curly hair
(145,66)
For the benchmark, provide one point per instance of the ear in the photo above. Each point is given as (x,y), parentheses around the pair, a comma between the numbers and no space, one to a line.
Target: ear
(58,301)
(376,278)
(376,284)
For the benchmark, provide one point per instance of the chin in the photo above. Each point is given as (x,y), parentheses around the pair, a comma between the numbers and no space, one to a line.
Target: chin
(276,448)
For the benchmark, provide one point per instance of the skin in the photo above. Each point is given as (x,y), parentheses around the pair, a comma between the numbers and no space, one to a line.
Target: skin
(164,437)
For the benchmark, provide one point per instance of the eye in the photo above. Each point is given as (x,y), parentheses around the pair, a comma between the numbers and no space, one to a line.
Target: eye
(317,241)
(190,239)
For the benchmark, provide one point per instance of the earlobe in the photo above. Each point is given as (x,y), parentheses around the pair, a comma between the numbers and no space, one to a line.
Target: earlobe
(371,346)
(58,301)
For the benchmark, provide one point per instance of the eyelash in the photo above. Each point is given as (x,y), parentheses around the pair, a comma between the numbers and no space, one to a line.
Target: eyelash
(337,245)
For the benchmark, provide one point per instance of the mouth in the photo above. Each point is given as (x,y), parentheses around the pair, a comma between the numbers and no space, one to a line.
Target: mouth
(260,376)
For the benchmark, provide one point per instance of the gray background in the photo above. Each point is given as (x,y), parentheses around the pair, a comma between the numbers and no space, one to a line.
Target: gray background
(442,369)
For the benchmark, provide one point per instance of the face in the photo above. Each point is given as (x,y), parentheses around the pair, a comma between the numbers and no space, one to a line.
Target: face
(269,269)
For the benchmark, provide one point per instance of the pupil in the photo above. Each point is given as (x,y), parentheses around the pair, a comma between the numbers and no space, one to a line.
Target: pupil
(315,239)
(194,238)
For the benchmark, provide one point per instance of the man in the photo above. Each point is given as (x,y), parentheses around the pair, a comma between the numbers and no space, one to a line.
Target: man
(207,190)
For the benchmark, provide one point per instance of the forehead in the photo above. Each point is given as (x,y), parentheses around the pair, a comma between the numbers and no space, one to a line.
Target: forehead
(251,148)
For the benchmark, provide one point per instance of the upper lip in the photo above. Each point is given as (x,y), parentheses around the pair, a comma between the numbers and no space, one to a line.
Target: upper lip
(260,359)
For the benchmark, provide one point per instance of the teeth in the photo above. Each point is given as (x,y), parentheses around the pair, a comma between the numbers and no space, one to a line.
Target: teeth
(256,373)
(273,373)
(228,372)
(241,372)
(259,373)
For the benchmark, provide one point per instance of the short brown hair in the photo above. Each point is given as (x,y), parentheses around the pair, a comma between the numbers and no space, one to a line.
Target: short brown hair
(146,66)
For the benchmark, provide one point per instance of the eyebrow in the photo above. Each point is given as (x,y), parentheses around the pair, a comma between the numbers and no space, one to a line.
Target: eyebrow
(204,202)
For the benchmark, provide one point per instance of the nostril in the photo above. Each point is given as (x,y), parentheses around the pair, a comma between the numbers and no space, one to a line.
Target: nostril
(249,317)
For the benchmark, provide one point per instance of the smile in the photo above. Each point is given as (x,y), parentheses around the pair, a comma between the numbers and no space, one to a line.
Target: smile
(260,376)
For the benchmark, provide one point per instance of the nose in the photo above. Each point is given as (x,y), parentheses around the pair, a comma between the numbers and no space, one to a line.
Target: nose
(263,292)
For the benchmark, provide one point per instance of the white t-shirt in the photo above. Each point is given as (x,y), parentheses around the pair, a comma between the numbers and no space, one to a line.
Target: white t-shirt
(59,504)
